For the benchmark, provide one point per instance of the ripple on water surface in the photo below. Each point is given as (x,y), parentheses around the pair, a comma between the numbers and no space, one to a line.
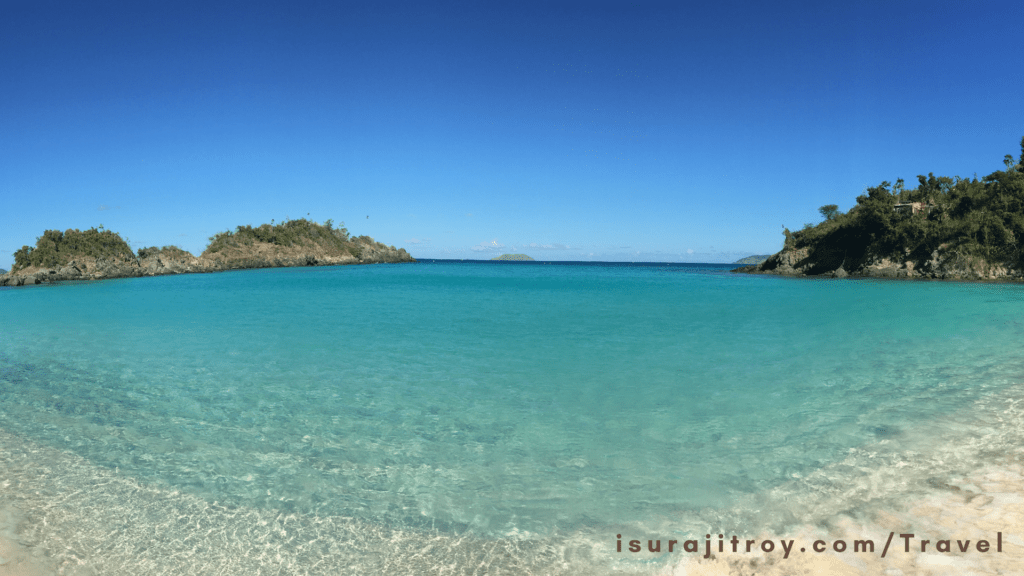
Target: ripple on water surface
(530,413)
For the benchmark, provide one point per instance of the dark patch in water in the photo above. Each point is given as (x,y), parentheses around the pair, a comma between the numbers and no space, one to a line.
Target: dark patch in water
(886,431)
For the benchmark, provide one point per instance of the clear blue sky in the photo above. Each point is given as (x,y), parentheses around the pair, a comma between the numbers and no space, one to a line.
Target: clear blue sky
(676,131)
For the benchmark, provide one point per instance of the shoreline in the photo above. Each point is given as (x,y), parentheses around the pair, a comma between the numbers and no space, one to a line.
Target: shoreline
(143,268)
(1013,280)
(799,263)
(987,505)
(72,281)
(973,490)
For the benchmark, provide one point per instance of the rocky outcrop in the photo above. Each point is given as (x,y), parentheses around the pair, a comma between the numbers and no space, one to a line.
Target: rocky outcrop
(169,260)
(361,250)
(785,263)
(172,260)
(79,268)
(377,253)
(941,264)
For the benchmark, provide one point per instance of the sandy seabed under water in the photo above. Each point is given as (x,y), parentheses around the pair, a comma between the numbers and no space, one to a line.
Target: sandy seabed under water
(60,514)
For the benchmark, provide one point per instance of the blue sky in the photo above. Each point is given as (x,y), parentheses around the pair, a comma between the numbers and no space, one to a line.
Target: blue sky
(565,130)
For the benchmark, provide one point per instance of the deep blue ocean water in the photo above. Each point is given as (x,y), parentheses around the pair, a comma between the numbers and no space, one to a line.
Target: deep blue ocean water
(550,405)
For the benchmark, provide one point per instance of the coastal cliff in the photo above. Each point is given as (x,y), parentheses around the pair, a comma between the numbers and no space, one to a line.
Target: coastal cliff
(102,254)
(945,228)
(940,265)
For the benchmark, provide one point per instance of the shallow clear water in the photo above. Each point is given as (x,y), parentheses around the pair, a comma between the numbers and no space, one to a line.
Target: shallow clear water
(531,402)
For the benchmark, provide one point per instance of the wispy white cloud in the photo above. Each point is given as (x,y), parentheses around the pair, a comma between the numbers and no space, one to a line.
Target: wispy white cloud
(104,207)
(535,246)
(418,241)
(492,246)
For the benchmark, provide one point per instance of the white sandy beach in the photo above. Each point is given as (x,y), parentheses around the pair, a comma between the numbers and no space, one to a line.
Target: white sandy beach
(975,508)
(930,503)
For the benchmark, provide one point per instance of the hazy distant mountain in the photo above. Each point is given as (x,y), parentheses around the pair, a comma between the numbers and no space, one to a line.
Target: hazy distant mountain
(752,260)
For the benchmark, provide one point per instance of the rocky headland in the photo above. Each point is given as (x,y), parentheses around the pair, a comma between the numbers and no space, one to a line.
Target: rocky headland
(940,265)
(945,229)
(101,254)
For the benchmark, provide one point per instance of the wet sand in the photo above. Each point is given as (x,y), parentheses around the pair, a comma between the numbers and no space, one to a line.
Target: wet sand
(973,508)
(960,479)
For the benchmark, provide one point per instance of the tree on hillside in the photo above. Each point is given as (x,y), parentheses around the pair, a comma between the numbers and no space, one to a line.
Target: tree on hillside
(55,248)
(970,217)
(829,211)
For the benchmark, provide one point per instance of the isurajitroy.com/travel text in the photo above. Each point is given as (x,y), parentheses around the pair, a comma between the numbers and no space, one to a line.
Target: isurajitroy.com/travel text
(735,545)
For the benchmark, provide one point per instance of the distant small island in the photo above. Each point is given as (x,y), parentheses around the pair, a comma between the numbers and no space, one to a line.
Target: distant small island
(97,254)
(753,260)
(516,257)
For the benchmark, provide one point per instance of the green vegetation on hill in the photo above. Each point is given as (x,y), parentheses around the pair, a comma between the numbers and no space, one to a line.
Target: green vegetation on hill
(168,251)
(299,232)
(55,249)
(975,219)
(101,253)
(518,257)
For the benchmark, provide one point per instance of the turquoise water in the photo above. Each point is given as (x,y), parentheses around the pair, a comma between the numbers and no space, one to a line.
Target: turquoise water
(543,407)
